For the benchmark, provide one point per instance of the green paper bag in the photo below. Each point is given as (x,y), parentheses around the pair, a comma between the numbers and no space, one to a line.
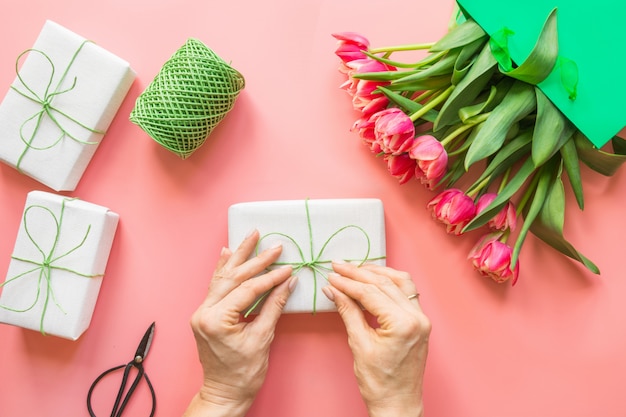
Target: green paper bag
(590,35)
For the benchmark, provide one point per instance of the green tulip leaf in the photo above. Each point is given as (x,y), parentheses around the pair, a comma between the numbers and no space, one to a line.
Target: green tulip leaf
(503,197)
(517,104)
(460,35)
(505,158)
(455,172)
(545,177)
(619,145)
(408,105)
(451,62)
(502,89)
(429,59)
(443,66)
(541,59)
(549,225)
(459,73)
(600,161)
(467,89)
(476,109)
(431,83)
(552,130)
(572,167)
(465,59)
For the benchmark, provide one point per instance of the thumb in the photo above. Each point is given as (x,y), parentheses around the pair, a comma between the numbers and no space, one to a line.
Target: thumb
(273,305)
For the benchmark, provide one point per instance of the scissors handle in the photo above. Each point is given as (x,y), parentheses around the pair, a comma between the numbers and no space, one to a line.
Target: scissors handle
(117,407)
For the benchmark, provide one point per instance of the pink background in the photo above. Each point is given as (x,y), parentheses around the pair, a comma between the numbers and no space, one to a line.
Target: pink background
(553,345)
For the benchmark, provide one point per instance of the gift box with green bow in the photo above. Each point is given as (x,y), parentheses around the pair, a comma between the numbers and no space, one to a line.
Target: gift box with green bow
(58,262)
(64,97)
(313,233)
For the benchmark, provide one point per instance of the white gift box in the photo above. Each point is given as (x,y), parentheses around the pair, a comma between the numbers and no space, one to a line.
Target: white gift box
(339,229)
(55,113)
(60,255)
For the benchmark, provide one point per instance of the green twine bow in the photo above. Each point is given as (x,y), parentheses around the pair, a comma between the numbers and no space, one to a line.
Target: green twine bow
(315,262)
(47,109)
(541,60)
(45,266)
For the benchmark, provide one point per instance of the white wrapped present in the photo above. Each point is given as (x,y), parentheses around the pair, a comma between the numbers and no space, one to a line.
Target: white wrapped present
(54,277)
(313,233)
(61,103)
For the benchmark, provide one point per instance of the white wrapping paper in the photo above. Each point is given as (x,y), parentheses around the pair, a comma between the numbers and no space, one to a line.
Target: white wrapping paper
(364,219)
(89,94)
(77,263)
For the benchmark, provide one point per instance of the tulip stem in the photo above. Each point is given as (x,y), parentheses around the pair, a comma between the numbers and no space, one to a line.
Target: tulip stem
(465,126)
(432,104)
(526,196)
(505,179)
(411,47)
(459,145)
(430,59)
(474,190)
(505,235)
(426,94)
(385,60)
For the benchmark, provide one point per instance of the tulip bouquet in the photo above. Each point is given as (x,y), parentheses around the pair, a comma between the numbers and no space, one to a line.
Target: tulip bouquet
(466,104)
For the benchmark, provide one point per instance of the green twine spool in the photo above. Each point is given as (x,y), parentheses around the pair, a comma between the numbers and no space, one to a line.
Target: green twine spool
(191,94)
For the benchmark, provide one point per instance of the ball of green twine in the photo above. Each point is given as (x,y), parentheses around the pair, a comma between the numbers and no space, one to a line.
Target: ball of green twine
(191,94)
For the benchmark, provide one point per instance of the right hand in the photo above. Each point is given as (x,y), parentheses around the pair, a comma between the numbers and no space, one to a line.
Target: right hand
(389,359)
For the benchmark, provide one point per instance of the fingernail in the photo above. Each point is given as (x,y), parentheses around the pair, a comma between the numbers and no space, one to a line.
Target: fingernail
(333,275)
(339,261)
(328,293)
(250,233)
(276,245)
(223,251)
(293,281)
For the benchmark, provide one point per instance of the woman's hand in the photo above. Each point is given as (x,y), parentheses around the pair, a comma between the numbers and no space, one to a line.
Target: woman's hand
(389,359)
(234,353)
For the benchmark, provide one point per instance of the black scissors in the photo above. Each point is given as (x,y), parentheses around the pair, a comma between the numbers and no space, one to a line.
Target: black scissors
(137,362)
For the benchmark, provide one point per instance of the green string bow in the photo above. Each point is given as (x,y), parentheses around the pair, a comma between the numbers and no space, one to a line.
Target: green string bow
(45,99)
(314,261)
(44,267)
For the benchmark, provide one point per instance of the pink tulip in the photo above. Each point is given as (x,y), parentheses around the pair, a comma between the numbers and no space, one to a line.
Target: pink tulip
(431,158)
(350,46)
(393,130)
(400,166)
(365,97)
(506,218)
(371,104)
(365,128)
(362,66)
(454,209)
(492,258)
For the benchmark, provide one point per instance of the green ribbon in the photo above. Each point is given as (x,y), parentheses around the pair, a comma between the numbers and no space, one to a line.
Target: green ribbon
(47,109)
(315,261)
(43,268)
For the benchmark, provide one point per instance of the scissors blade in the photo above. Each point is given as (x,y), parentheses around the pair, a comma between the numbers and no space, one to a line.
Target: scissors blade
(144,345)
